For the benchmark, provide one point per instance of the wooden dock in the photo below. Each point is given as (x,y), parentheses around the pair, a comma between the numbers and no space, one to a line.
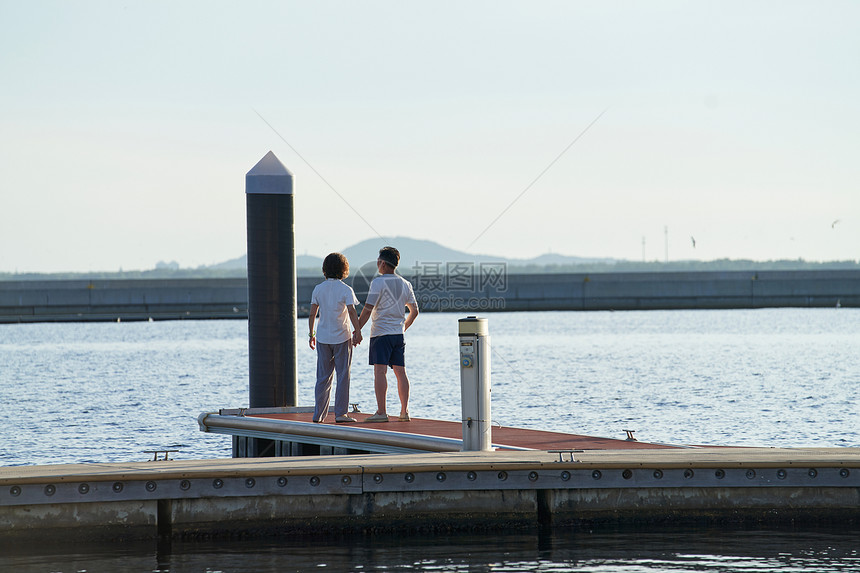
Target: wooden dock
(292,432)
(562,483)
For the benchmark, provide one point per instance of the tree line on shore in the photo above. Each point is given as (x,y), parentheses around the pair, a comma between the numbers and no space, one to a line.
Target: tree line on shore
(620,266)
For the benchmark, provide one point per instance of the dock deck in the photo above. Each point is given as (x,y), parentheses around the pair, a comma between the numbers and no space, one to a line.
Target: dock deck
(504,437)
(454,490)
(291,432)
(532,479)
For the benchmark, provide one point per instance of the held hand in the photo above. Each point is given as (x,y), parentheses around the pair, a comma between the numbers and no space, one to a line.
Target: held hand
(312,342)
(356,338)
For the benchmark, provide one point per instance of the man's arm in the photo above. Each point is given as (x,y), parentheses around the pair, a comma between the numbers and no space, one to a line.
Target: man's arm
(353,317)
(413,314)
(365,315)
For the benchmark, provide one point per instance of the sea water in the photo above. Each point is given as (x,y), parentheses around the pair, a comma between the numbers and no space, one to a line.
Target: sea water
(96,392)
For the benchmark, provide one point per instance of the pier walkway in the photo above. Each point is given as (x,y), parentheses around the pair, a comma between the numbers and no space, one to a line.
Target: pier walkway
(294,433)
(558,484)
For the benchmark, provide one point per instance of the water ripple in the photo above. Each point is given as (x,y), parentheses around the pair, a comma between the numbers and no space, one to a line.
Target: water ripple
(776,377)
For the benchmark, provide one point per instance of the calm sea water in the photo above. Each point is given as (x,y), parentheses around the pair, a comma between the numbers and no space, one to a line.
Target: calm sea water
(774,377)
(707,551)
(83,392)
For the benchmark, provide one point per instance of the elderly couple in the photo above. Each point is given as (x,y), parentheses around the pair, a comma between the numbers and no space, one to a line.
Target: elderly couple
(387,300)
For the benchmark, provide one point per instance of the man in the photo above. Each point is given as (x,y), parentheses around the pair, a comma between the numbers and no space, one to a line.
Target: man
(388,298)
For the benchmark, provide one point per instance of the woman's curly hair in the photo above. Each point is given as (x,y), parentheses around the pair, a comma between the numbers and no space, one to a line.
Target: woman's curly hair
(335,266)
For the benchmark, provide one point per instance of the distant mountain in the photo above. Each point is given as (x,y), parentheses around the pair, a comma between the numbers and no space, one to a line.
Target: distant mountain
(412,251)
(420,251)
(308,262)
(415,252)
(556,259)
(237,263)
(241,263)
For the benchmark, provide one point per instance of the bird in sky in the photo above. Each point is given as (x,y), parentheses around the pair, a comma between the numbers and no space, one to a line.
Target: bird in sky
(693,240)
(833,224)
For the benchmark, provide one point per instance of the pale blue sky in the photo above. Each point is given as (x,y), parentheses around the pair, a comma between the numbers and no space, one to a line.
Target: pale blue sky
(128,127)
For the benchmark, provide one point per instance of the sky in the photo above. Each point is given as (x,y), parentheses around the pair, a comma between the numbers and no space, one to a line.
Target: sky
(625,129)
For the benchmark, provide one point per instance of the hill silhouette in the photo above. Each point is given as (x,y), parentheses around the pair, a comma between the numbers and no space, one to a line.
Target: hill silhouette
(417,252)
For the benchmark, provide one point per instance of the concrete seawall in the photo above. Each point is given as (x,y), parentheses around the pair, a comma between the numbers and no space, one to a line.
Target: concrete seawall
(434,491)
(173,299)
(682,290)
(109,300)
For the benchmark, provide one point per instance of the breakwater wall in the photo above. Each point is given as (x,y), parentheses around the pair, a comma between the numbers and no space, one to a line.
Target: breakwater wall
(435,491)
(173,299)
(111,300)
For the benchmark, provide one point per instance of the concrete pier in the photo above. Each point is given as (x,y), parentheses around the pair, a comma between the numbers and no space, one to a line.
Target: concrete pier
(443,491)
(108,300)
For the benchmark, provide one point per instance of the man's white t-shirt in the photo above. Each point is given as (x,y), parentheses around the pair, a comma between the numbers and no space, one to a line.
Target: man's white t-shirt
(389,295)
(333,296)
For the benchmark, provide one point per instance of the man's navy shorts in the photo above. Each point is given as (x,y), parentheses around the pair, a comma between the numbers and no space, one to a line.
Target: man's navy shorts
(388,349)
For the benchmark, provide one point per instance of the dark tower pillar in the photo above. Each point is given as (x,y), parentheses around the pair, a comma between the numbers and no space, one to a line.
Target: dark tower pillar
(271,285)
